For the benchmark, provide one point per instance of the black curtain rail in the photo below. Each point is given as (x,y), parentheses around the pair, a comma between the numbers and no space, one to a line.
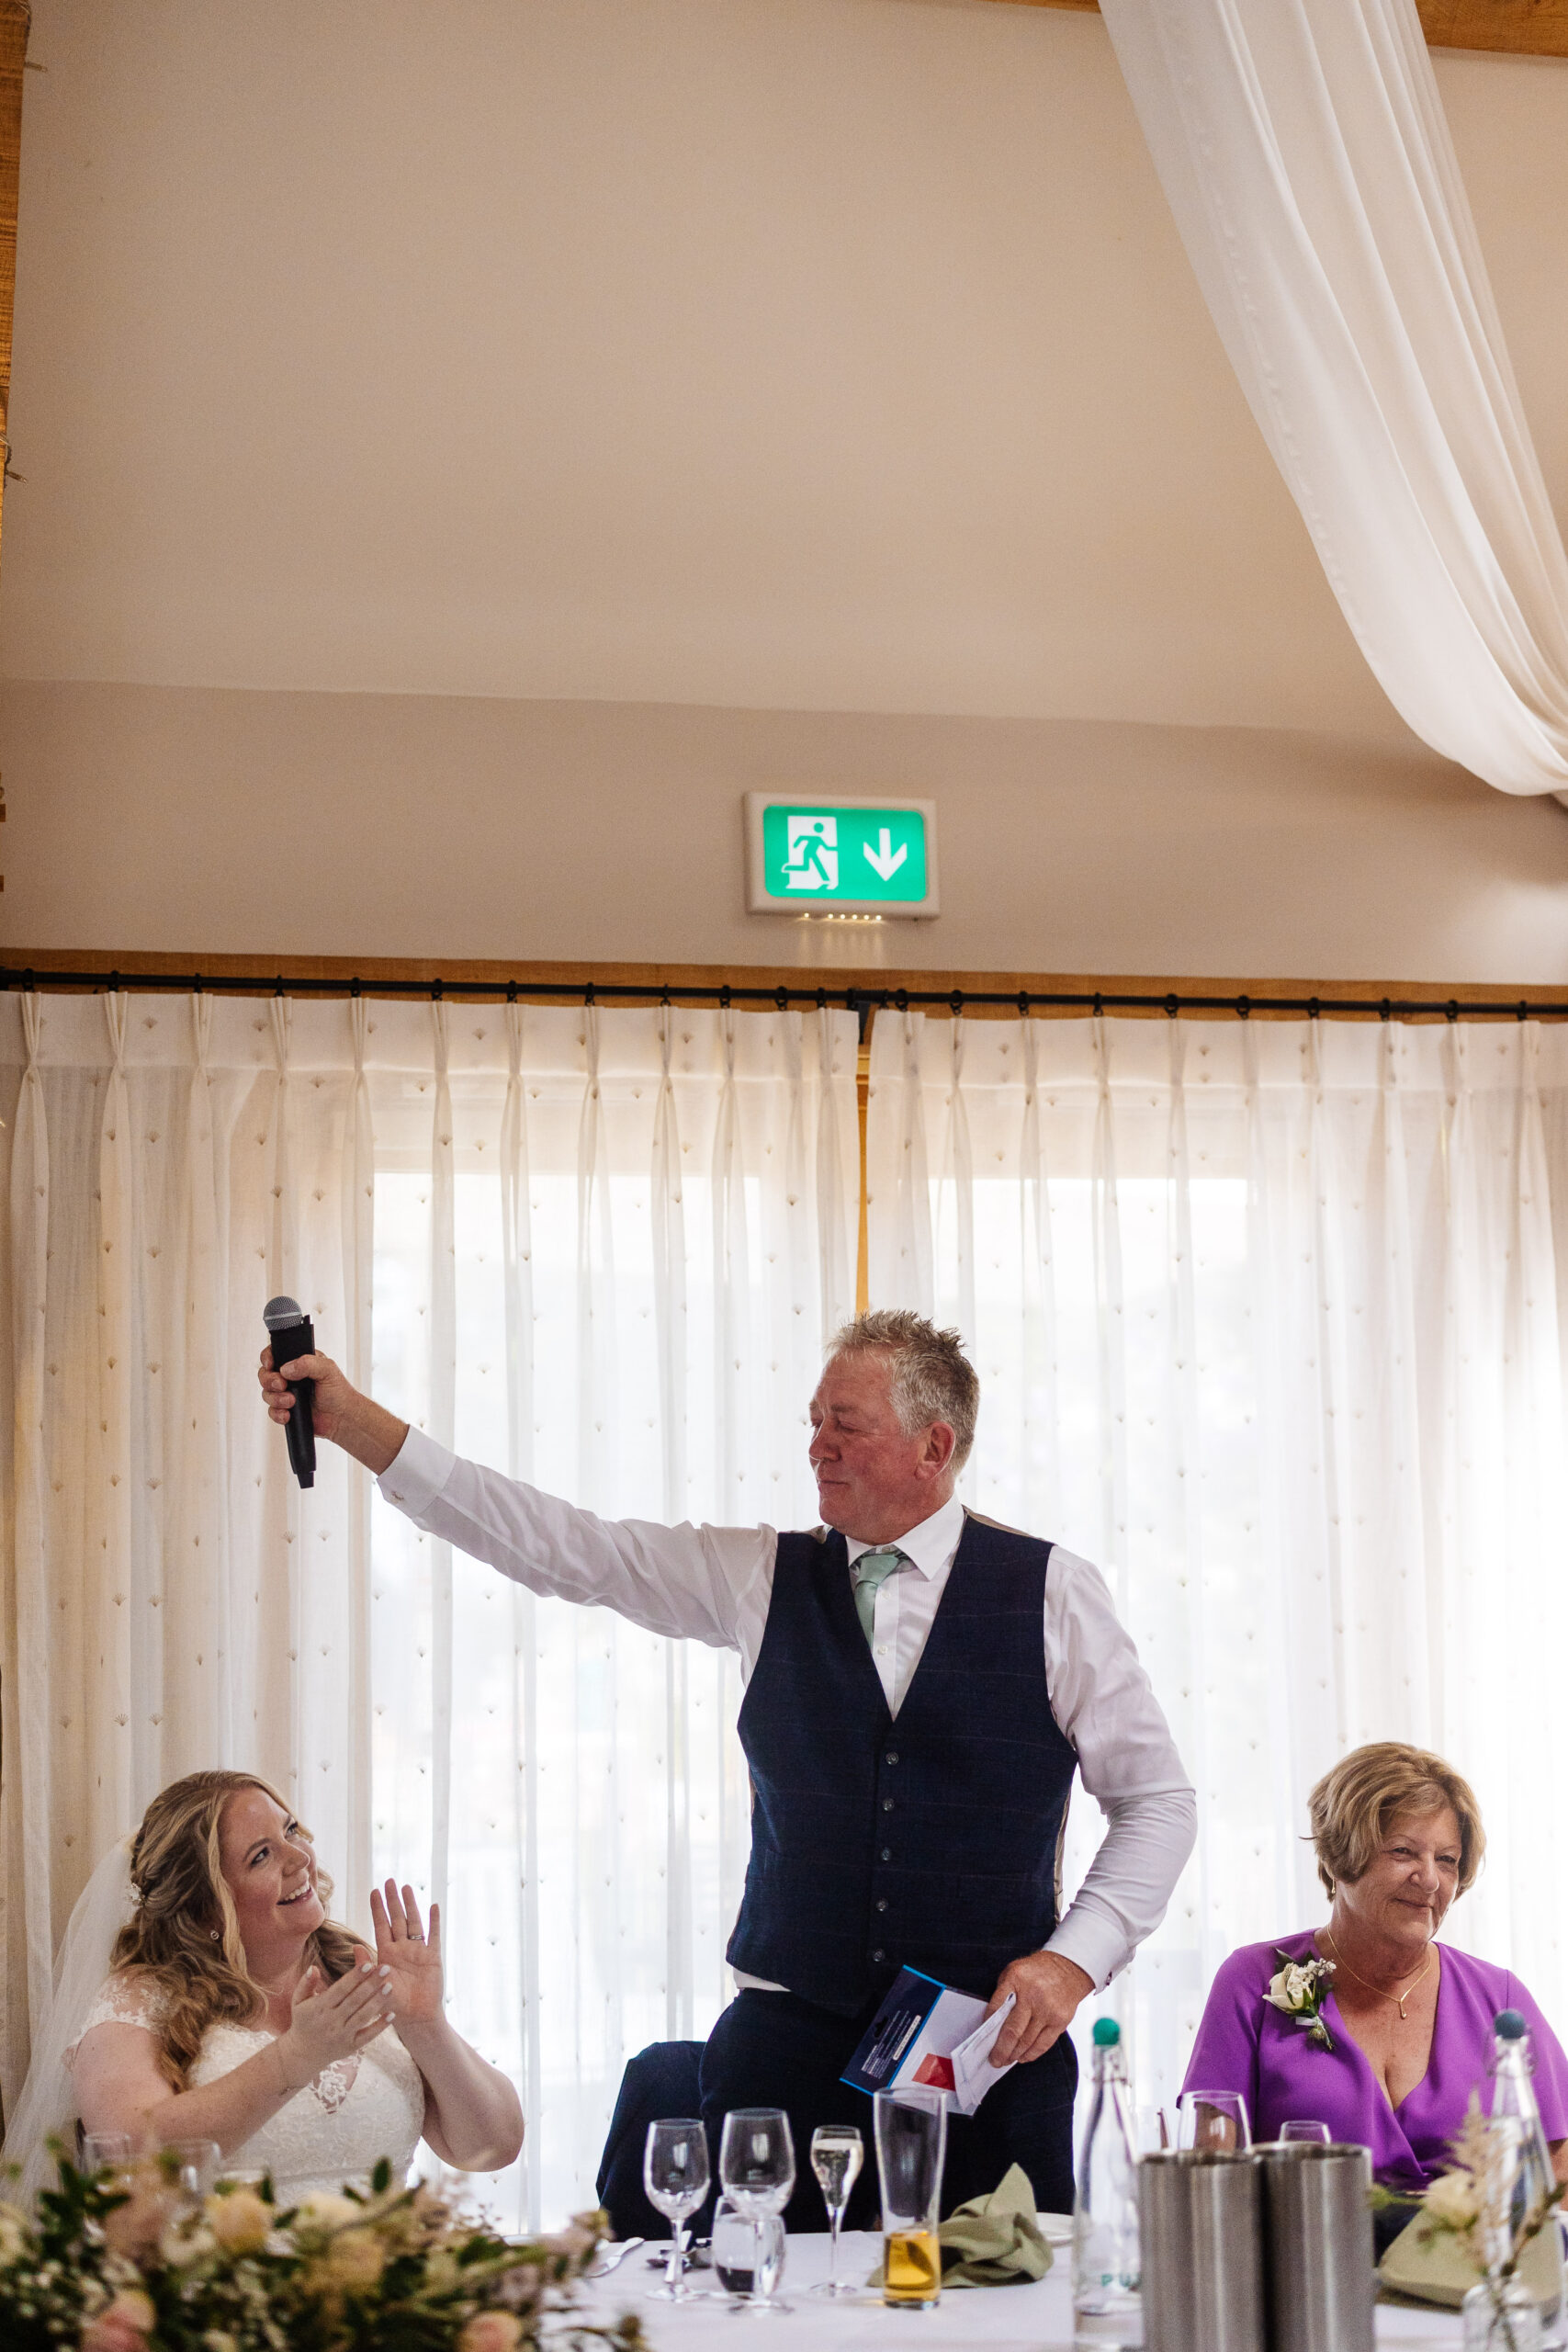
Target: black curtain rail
(861,999)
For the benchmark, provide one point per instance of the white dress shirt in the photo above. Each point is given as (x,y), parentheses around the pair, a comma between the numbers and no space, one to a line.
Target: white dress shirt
(713,1585)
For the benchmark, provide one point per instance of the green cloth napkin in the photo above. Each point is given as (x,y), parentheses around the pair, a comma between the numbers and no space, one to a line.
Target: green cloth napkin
(993,2240)
(1437,2269)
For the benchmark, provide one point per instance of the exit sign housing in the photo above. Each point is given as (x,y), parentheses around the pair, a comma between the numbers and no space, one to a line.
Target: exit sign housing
(807,854)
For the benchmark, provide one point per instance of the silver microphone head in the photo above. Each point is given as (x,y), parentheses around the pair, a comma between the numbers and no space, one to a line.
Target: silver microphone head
(278,1314)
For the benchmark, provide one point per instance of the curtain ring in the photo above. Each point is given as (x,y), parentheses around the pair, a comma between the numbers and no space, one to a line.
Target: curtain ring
(511,991)
(1023,1003)
(1099,1004)
(1524,1011)
(724,998)
(1452,1008)
(1243,1007)
(1173,1004)
(1314,1008)
(435,991)
(781,998)
(1386,1009)
(587,991)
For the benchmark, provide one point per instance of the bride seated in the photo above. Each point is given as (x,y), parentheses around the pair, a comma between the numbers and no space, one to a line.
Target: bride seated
(237,2011)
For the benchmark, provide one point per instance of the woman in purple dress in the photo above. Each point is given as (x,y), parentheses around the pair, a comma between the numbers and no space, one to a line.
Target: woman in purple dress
(1369,2024)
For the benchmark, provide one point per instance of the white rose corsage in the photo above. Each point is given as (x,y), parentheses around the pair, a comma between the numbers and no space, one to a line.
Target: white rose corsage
(1298,1991)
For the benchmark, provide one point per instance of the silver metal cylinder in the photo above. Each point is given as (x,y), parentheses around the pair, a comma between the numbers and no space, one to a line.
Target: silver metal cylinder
(1317,2234)
(1201,2238)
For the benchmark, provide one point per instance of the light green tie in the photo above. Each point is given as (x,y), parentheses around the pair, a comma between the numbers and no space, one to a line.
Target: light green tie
(873,1570)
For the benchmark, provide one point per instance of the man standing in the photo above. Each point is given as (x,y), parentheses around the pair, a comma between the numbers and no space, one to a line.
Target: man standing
(921,1687)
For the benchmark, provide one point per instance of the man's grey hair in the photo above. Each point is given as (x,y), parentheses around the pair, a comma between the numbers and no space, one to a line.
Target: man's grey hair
(932,1379)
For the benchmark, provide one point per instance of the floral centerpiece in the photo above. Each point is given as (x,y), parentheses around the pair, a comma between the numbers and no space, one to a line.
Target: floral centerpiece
(128,2261)
(1476,2200)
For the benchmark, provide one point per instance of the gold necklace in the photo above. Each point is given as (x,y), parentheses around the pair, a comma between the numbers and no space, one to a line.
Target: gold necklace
(1378,1989)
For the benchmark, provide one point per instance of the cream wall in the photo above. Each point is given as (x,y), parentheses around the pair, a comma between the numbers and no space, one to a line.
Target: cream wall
(202,821)
(465,447)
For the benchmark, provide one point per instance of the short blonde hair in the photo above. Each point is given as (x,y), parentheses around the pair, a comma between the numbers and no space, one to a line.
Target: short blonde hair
(931,1378)
(1356,1805)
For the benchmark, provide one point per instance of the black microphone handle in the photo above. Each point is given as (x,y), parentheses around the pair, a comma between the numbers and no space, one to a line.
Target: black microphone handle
(299,1339)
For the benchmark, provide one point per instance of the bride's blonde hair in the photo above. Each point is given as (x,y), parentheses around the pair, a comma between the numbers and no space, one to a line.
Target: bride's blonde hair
(184,1937)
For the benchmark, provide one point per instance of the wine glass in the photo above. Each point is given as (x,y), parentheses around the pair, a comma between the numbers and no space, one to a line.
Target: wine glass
(675,2175)
(193,2165)
(104,2149)
(1214,2121)
(1299,2129)
(756,2164)
(838,2153)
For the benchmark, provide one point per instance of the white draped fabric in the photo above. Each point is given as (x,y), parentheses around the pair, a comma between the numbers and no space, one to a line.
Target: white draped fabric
(1304,153)
(1269,1318)
(599,1246)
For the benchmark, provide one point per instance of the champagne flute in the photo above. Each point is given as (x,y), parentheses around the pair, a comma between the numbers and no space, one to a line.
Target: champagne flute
(756,2164)
(675,2175)
(838,2153)
(1214,2121)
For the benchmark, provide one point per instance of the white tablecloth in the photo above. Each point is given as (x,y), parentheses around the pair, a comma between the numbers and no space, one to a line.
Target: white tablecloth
(1008,2319)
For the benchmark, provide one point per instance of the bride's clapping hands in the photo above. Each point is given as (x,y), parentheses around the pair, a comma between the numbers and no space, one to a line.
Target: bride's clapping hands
(413,1956)
(333,2020)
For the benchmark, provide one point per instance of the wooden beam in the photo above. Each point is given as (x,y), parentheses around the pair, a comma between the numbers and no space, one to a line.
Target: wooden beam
(1525,27)
(16,17)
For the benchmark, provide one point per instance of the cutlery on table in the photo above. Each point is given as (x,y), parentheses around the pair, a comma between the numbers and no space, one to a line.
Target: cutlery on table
(613,2256)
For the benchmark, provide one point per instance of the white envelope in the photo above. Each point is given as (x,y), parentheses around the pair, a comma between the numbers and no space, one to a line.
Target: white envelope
(972,2073)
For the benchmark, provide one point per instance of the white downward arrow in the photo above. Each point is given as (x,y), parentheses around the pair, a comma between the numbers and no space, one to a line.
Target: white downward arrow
(887,860)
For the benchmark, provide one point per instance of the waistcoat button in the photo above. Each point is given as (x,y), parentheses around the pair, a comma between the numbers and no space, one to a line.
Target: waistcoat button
(882,1903)
(893,1756)
(888,1853)
(887,1804)
(879,1953)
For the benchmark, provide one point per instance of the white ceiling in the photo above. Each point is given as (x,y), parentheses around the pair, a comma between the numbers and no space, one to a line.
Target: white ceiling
(811,353)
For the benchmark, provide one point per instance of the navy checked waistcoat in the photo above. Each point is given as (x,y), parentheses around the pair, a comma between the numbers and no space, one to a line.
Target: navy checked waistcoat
(926,1842)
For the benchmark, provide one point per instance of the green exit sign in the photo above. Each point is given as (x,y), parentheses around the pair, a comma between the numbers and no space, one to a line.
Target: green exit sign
(869,857)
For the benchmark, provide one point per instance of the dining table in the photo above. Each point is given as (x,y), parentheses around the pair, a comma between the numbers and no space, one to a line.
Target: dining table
(1037,2317)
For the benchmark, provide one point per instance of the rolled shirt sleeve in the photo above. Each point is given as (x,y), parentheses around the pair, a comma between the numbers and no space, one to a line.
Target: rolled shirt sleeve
(1105,1706)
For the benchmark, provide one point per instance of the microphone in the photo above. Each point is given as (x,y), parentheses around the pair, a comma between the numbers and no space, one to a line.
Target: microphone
(292,1334)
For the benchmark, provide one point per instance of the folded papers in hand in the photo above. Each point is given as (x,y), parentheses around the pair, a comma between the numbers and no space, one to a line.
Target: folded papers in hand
(926,2033)
(993,2240)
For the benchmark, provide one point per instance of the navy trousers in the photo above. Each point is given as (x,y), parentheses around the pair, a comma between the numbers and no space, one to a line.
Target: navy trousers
(775,2050)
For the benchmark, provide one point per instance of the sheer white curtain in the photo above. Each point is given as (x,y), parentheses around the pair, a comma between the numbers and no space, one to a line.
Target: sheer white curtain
(601,1246)
(1269,1318)
(1306,158)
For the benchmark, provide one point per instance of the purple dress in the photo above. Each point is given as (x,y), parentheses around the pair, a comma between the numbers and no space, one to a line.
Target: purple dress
(1246,2044)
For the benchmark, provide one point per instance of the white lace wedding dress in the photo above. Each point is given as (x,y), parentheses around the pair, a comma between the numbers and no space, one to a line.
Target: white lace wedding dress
(332,2134)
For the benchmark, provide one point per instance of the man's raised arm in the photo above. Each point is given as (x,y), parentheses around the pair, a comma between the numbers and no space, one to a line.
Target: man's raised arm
(704,1584)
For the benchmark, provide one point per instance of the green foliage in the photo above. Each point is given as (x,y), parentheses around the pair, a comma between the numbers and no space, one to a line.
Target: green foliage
(130,2262)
